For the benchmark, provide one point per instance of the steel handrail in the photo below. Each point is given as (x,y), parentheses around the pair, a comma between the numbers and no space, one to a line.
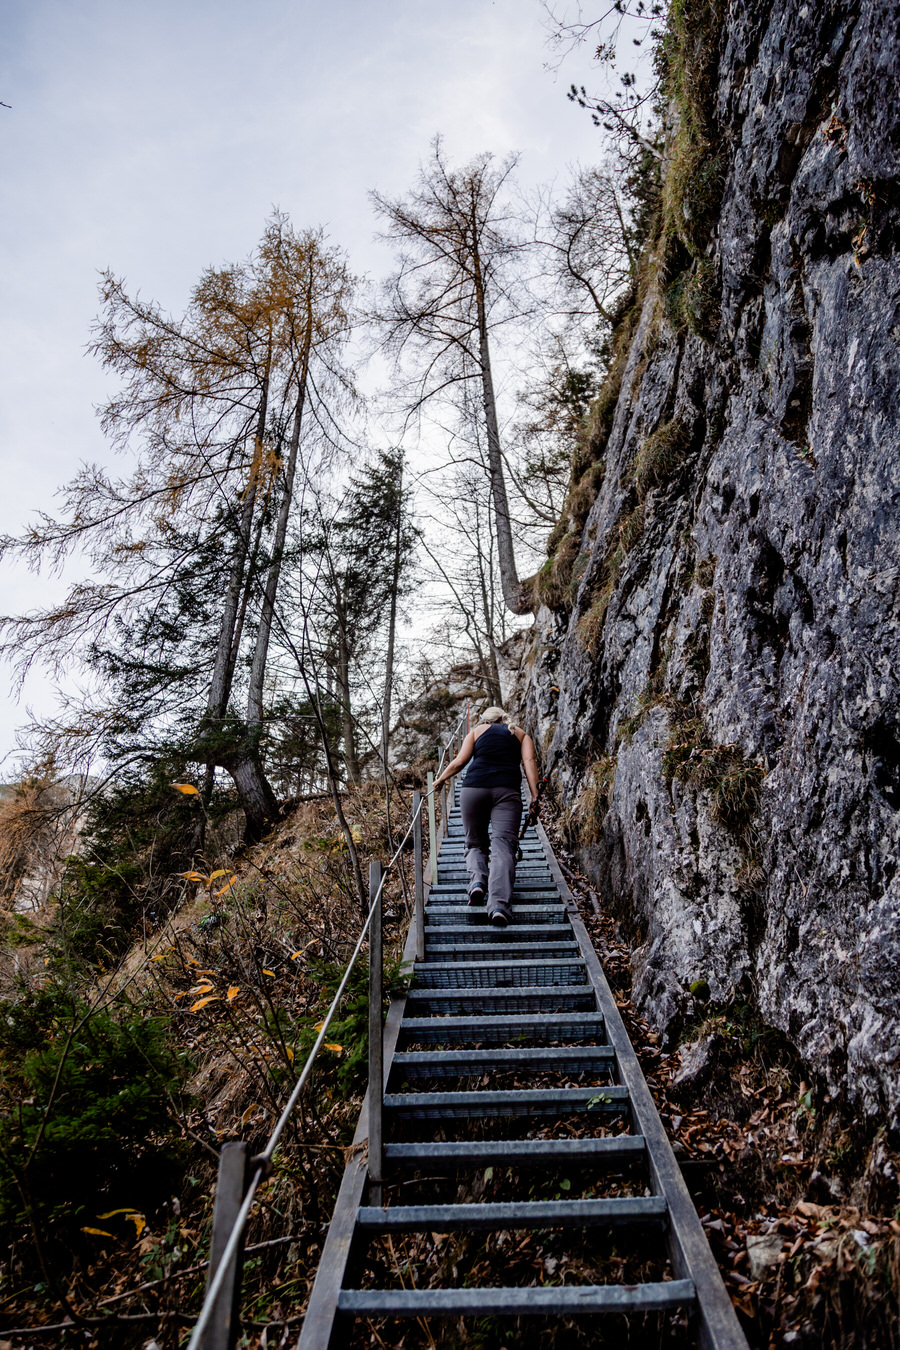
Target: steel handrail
(261,1162)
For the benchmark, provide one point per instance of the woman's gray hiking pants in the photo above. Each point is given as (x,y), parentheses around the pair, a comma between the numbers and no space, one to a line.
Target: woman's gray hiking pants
(501,809)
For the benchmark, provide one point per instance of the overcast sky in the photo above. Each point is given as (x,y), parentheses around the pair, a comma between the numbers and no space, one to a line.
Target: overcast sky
(155,139)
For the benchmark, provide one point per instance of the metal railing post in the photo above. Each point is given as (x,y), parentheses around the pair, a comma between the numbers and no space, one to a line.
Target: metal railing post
(419,878)
(376,1040)
(444,815)
(231,1185)
(432,829)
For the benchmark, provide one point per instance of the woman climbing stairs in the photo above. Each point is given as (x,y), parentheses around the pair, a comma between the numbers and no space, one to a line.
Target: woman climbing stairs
(479,1060)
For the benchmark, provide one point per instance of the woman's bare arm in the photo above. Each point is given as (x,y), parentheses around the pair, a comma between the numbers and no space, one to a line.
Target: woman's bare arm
(465,754)
(529,764)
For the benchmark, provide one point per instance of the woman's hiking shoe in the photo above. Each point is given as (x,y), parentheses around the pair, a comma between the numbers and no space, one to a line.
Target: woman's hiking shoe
(499,919)
(476,895)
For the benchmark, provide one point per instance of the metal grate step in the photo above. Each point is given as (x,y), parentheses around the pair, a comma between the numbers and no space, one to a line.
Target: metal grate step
(499,1030)
(476,915)
(557,1300)
(556,949)
(498,975)
(523,999)
(442,935)
(489,1104)
(539,1059)
(537,1214)
(525,894)
(525,875)
(525,887)
(607,1151)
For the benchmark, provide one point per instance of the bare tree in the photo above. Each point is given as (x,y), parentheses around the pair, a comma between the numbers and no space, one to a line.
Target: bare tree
(456,241)
(590,243)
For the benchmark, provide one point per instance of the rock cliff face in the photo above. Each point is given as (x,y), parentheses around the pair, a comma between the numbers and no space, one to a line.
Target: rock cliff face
(716,679)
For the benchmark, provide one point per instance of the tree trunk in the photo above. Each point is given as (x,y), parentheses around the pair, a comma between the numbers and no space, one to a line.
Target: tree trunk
(515,595)
(257,797)
(261,651)
(392,626)
(347,730)
(223,668)
(496,694)
(389,661)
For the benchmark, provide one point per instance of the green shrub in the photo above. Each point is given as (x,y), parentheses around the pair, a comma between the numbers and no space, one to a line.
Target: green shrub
(692,190)
(659,455)
(732,780)
(350,1029)
(691,300)
(590,625)
(86,1106)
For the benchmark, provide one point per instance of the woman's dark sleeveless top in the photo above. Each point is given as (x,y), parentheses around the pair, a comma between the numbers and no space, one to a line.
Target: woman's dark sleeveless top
(497,759)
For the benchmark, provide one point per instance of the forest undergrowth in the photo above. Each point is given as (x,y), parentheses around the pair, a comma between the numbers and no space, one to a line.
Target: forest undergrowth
(147,1018)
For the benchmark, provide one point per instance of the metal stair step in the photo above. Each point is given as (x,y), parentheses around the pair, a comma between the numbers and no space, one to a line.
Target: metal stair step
(541,1059)
(462,1153)
(606,1100)
(457,848)
(459,886)
(450,936)
(497,975)
(458,855)
(475,916)
(557,1300)
(496,1030)
(522,895)
(536,1214)
(557,949)
(522,998)
(447,872)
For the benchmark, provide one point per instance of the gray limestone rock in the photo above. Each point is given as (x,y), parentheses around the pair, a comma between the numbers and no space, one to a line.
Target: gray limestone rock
(759,608)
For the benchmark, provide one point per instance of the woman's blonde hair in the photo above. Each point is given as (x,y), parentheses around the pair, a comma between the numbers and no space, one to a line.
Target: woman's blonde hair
(494,715)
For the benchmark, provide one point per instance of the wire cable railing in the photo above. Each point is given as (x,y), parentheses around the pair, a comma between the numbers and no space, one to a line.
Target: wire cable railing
(224,1263)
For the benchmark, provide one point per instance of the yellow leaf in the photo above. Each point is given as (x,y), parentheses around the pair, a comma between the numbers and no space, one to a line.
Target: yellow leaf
(311,943)
(140,1223)
(206,972)
(157,958)
(194,876)
(318,1026)
(233,992)
(221,872)
(111,1214)
(202,1002)
(227,887)
(188,789)
(203,987)
(332,1045)
(98,1232)
(270,973)
(290,1053)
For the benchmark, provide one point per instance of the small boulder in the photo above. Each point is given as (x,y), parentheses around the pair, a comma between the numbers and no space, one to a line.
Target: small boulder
(697,1063)
(763,1251)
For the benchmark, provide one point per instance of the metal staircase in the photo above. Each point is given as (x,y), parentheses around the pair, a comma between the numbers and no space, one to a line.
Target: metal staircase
(530,1002)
